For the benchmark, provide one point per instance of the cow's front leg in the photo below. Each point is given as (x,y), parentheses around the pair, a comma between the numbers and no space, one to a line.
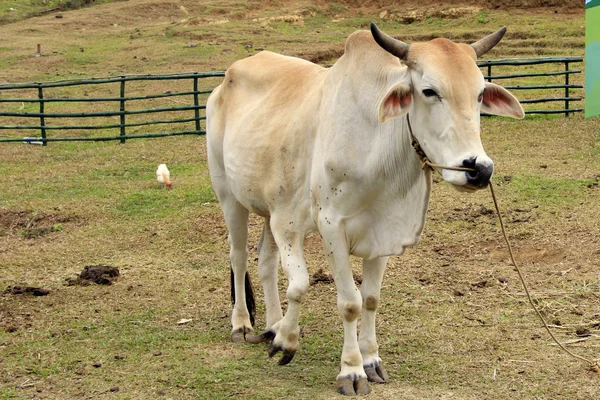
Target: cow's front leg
(352,379)
(370,290)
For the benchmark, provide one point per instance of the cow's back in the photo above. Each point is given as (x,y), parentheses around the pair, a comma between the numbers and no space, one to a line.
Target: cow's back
(261,123)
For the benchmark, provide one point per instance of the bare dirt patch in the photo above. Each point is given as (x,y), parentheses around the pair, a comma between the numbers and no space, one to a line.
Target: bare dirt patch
(530,252)
(492,4)
(322,56)
(32,224)
(11,321)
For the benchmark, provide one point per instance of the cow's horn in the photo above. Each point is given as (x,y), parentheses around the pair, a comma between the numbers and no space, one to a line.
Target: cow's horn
(484,45)
(388,43)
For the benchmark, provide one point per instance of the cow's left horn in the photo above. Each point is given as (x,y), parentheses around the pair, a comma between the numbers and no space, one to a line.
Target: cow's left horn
(388,43)
(484,45)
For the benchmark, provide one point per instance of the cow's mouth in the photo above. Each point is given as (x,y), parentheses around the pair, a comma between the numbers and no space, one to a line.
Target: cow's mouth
(466,188)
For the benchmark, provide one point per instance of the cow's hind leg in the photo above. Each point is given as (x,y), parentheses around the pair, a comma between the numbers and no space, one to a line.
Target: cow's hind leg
(236,218)
(268,261)
(285,333)
(370,289)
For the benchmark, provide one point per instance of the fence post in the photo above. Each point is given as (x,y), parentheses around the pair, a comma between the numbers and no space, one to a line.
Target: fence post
(196,104)
(122,109)
(489,72)
(42,119)
(566,89)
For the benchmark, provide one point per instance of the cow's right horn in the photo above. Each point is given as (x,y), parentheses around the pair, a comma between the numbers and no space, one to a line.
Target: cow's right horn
(393,46)
(484,45)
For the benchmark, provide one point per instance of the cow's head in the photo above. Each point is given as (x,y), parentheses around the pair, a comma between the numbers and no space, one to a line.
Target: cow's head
(446,94)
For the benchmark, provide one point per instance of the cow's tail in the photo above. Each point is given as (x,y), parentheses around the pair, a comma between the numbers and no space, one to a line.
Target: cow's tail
(250,304)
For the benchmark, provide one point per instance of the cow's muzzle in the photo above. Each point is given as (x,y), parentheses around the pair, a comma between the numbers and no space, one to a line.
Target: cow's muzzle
(480,177)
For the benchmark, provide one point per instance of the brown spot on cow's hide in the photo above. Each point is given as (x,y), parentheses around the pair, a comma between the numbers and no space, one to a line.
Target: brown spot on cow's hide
(371,303)
(292,337)
(354,360)
(351,312)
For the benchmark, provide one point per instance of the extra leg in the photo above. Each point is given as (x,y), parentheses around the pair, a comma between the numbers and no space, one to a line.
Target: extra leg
(370,290)
(236,218)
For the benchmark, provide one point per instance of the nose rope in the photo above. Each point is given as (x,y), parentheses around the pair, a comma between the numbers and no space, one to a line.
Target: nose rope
(427,164)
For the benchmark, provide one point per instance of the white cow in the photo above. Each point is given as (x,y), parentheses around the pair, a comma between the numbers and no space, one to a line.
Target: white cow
(329,150)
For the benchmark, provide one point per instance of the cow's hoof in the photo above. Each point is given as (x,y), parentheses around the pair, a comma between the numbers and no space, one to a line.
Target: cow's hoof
(353,386)
(241,334)
(376,373)
(265,337)
(287,356)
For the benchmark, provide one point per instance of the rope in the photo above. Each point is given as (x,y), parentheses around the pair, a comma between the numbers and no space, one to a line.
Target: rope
(426,163)
(594,365)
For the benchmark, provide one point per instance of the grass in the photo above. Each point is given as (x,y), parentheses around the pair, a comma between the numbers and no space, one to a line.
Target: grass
(550,190)
(16,10)
(75,204)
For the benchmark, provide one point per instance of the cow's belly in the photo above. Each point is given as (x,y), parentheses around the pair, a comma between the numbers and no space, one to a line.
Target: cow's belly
(267,173)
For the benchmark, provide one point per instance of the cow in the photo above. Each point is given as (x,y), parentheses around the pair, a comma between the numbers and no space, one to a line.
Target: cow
(328,150)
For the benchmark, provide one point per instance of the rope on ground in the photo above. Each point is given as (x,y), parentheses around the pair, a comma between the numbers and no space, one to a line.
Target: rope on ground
(425,162)
(594,365)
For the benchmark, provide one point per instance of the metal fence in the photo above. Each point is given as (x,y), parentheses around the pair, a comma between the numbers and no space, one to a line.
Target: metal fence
(566,86)
(120,108)
(36,94)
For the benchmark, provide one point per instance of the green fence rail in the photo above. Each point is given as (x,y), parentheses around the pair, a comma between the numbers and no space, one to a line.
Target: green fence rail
(565,85)
(120,110)
(36,93)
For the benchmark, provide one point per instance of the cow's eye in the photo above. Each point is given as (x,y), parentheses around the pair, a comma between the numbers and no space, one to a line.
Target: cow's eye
(430,93)
(480,98)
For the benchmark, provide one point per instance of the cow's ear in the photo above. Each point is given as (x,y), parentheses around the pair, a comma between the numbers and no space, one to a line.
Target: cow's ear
(396,102)
(499,101)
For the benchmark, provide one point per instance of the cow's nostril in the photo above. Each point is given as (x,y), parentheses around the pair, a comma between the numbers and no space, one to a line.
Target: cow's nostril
(471,163)
(481,174)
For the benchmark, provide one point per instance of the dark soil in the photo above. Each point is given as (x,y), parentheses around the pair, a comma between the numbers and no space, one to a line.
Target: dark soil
(31,224)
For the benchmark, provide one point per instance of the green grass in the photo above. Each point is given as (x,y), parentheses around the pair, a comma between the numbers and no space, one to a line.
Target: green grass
(551,190)
(482,17)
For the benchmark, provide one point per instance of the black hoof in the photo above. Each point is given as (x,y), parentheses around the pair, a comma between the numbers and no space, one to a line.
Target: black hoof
(241,334)
(353,386)
(287,356)
(376,373)
(265,337)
